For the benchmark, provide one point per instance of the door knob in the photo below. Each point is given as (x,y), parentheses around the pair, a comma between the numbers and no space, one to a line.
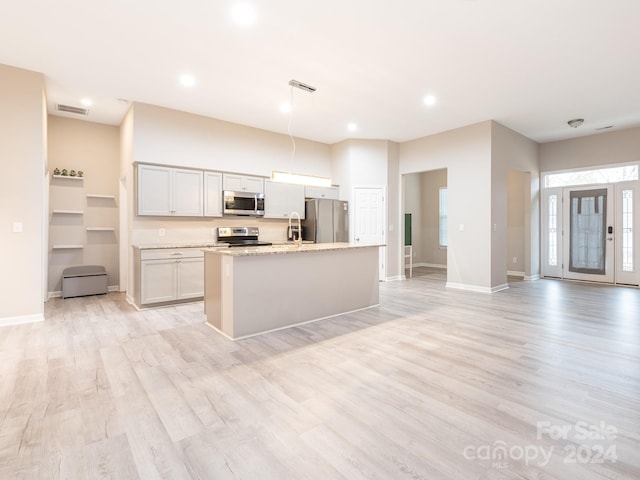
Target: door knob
(610,239)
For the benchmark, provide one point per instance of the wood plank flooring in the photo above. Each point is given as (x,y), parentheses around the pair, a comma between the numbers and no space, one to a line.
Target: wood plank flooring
(433,384)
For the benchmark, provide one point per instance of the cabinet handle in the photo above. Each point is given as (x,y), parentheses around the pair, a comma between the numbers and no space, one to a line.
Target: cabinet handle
(177,253)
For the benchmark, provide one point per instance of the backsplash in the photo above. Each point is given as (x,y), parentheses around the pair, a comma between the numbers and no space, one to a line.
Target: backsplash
(186,231)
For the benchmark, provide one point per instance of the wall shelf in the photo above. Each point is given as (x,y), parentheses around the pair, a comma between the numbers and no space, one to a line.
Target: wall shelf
(68,176)
(68,212)
(66,247)
(101,229)
(94,195)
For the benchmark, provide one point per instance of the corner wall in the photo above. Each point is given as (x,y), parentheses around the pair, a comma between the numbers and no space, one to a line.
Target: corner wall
(23,186)
(466,154)
(510,150)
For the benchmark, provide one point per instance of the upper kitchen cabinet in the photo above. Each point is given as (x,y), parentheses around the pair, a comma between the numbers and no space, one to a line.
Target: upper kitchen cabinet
(332,193)
(170,191)
(280,199)
(242,183)
(212,194)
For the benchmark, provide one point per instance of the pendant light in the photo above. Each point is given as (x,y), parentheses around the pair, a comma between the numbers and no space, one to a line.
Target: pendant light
(298,178)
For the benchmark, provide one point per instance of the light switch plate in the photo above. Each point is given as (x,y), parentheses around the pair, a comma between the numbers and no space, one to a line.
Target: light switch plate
(17,227)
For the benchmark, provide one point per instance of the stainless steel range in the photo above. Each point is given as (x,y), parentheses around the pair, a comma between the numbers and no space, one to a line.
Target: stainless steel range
(240,236)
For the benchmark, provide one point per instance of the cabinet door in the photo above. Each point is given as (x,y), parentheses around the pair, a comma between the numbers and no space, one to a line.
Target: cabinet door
(159,279)
(322,192)
(154,190)
(212,194)
(233,182)
(242,183)
(191,278)
(254,184)
(280,199)
(187,193)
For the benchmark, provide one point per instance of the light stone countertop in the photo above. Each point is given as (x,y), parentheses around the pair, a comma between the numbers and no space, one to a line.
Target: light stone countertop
(284,249)
(150,246)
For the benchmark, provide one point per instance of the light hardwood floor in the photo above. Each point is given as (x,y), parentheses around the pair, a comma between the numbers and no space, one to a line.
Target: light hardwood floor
(432,384)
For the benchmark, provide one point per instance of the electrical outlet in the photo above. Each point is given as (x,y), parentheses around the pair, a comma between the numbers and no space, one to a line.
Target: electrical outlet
(515,260)
(161,232)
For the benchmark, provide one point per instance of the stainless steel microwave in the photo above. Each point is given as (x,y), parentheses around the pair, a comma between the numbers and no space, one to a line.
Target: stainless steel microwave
(243,203)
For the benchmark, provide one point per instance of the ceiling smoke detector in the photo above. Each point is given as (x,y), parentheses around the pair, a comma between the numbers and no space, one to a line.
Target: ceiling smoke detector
(302,86)
(576,122)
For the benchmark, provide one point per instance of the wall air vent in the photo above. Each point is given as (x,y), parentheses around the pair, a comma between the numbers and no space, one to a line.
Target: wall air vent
(70,109)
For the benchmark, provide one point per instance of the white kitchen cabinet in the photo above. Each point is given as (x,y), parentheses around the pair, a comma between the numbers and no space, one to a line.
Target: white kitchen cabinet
(280,199)
(242,183)
(170,191)
(212,194)
(332,193)
(169,275)
(158,280)
(190,278)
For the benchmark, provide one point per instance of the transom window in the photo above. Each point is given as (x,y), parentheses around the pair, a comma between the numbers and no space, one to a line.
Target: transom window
(622,173)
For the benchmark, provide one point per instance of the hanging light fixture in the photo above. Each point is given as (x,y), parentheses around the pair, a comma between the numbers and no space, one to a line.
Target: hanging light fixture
(298,178)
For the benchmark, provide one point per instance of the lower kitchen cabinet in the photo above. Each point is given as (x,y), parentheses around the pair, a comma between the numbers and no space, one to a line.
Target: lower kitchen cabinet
(169,275)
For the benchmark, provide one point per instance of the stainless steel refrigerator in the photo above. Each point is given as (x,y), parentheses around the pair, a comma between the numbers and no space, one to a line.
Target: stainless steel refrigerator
(326,221)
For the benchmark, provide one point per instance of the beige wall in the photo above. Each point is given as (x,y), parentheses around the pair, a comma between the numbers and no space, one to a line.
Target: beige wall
(94,149)
(170,137)
(466,154)
(510,150)
(604,148)
(515,220)
(22,186)
(430,184)
(395,219)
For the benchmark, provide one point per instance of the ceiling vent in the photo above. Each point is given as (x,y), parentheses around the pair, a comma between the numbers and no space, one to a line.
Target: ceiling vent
(70,109)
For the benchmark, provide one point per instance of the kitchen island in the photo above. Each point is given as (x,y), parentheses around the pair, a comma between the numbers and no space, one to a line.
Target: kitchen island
(260,289)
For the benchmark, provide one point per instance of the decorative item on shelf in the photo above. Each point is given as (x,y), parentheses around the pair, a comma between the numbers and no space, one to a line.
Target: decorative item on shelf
(56,171)
(80,173)
(64,172)
(72,173)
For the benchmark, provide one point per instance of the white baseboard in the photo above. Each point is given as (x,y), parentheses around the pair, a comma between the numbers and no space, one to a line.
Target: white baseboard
(397,277)
(476,288)
(21,319)
(58,293)
(512,273)
(532,278)
(430,265)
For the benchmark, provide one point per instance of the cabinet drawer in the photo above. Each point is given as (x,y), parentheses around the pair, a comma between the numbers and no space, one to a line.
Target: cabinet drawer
(171,253)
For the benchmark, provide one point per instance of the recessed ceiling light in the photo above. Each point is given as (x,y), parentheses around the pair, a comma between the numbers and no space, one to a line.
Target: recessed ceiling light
(430,100)
(285,107)
(86,102)
(244,14)
(187,80)
(352,127)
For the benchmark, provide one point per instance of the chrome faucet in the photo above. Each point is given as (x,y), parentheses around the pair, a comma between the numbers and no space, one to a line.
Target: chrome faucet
(297,241)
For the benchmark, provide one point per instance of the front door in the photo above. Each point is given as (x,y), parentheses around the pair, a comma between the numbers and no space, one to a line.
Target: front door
(589,233)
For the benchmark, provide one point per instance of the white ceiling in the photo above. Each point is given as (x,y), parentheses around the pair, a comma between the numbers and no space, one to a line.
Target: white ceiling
(528,64)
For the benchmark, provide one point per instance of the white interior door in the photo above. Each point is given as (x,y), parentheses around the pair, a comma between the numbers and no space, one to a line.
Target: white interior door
(627,244)
(588,227)
(369,220)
